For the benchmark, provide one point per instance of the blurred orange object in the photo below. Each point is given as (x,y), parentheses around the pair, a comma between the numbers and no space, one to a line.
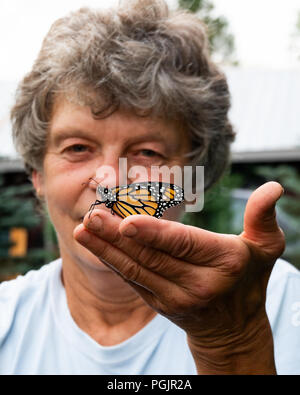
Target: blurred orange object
(19,237)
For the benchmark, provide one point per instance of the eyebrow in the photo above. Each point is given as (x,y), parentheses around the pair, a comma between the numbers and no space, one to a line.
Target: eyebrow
(170,144)
(146,137)
(60,135)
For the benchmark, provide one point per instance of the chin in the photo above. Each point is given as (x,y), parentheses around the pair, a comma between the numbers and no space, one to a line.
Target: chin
(77,255)
(88,259)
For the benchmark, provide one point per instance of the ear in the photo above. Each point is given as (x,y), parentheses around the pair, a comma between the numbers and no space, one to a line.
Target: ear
(37,181)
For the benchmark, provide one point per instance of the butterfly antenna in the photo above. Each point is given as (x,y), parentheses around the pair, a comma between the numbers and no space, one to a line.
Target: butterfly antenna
(87,183)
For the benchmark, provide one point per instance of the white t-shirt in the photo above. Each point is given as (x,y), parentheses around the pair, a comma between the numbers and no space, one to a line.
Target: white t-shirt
(39,336)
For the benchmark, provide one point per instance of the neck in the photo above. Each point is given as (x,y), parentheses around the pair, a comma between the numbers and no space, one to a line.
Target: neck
(102,304)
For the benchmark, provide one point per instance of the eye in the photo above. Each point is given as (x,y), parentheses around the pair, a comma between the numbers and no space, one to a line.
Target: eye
(146,156)
(149,153)
(77,148)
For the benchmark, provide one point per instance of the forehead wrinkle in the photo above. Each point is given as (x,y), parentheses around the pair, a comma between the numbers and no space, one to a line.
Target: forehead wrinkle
(59,135)
(130,133)
(128,127)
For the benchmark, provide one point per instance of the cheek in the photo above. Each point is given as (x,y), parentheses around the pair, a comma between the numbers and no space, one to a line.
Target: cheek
(60,173)
(62,191)
(60,200)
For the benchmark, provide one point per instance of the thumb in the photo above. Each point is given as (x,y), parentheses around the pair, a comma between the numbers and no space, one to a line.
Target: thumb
(260,223)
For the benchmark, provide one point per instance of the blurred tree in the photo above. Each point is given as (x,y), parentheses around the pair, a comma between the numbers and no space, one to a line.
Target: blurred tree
(220,39)
(17,212)
(295,38)
(289,203)
(298,23)
(217,214)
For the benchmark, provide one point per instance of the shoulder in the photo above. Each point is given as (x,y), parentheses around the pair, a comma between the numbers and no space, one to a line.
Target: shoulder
(29,289)
(283,295)
(283,267)
(283,309)
(281,275)
(34,279)
(284,280)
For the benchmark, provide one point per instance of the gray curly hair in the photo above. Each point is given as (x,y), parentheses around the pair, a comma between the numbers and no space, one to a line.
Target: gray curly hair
(140,57)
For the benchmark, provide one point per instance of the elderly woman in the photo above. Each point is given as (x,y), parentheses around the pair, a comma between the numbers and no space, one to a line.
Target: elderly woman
(139,295)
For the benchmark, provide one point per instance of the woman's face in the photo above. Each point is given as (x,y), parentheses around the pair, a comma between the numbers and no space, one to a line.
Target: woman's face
(78,148)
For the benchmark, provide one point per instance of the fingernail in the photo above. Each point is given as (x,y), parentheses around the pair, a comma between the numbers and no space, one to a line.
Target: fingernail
(130,231)
(95,223)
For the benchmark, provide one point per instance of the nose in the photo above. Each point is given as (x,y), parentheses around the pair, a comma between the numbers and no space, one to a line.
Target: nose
(92,183)
(110,173)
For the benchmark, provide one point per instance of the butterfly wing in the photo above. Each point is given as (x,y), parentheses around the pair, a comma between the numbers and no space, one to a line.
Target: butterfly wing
(135,199)
(146,198)
(124,209)
(170,195)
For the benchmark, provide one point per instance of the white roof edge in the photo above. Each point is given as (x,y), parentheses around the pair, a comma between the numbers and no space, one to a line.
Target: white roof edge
(9,165)
(266,156)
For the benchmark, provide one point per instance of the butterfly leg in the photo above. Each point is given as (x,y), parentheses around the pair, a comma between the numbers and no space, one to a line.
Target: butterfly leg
(97,202)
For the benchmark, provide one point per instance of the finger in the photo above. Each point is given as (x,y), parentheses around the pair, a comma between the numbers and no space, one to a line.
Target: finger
(166,296)
(156,289)
(194,245)
(160,262)
(99,219)
(260,213)
(260,224)
(118,260)
(106,227)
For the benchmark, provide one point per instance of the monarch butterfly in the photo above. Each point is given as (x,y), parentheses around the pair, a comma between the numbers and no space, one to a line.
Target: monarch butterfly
(145,198)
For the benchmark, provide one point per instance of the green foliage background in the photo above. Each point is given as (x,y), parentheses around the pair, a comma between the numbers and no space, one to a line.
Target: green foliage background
(288,176)
(217,213)
(18,209)
(220,38)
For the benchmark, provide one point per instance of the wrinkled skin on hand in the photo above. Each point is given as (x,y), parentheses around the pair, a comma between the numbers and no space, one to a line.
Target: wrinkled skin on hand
(211,285)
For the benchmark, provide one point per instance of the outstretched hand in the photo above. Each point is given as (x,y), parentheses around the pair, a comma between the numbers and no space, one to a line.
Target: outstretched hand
(211,285)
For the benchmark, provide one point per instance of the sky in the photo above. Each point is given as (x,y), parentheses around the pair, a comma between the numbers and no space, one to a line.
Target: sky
(262,30)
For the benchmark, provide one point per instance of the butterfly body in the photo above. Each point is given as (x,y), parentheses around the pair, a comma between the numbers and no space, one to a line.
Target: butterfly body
(144,198)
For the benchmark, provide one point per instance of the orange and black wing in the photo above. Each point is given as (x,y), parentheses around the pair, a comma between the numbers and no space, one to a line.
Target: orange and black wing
(151,198)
